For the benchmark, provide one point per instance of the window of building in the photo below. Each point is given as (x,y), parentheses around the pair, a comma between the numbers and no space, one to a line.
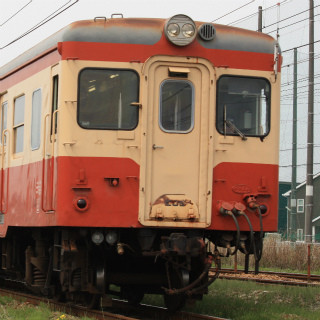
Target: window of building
(300,205)
(18,123)
(243,105)
(36,119)
(299,234)
(176,106)
(4,115)
(105,97)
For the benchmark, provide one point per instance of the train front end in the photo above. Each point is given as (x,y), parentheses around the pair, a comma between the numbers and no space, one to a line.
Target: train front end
(157,155)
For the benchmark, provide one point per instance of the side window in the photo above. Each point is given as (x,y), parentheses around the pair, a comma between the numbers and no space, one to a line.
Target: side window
(176,106)
(300,205)
(18,123)
(55,95)
(105,97)
(243,104)
(4,114)
(36,119)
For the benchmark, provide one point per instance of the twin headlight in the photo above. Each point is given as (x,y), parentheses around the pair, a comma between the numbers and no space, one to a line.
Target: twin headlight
(180,30)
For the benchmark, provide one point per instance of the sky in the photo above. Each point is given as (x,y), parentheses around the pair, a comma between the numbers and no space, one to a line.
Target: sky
(19,16)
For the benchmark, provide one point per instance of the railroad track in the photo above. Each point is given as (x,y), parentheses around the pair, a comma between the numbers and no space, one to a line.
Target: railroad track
(119,309)
(284,278)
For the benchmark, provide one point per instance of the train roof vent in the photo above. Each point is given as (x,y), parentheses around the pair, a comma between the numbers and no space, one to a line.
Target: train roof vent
(207,31)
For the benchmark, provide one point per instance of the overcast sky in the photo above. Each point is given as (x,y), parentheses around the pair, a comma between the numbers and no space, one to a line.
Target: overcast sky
(19,16)
(34,11)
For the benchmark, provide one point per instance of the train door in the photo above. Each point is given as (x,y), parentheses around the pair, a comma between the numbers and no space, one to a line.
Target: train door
(49,159)
(177,145)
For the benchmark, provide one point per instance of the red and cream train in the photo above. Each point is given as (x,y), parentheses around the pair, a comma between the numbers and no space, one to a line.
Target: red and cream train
(127,147)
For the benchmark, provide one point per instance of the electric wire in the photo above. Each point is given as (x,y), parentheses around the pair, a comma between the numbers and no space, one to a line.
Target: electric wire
(294,15)
(291,24)
(254,14)
(53,15)
(233,10)
(6,21)
(303,45)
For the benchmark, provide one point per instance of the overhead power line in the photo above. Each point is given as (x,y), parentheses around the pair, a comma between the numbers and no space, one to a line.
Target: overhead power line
(304,45)
(256,13)
(233,11)
(15,14)
(43,22)
(290,17)
(291,24)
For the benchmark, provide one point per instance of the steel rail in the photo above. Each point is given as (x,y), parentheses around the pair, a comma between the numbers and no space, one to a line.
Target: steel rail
(120,309)
(302,279)
(297,276)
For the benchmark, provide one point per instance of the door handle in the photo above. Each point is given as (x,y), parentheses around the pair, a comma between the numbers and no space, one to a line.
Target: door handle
(154,147)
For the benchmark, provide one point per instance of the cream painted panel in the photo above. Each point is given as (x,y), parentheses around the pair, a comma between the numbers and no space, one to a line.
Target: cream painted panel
(76,141)
(182,166)
(252,150)
(40,80)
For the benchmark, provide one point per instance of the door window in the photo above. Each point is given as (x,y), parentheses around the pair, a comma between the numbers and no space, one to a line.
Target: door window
(176,106)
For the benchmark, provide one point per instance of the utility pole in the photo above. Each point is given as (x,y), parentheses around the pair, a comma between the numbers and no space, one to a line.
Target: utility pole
(293,204)
(309,182)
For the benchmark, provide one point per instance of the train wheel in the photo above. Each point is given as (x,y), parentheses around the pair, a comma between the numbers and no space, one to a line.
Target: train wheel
(177,279)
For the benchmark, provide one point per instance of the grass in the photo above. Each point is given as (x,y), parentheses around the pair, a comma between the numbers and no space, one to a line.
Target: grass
(282,256)
(239,300)
(231,299)
(16,310)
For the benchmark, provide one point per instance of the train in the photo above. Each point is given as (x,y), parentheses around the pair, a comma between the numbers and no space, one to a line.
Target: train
(135,153)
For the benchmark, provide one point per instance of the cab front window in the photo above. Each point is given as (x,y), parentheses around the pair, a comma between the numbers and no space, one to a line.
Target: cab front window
(105,98)
(243,106)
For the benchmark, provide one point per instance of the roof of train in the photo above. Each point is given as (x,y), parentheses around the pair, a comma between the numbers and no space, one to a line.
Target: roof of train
(142,31)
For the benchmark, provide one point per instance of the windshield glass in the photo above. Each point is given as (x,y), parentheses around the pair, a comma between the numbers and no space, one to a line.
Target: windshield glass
(105,97)
(245,103)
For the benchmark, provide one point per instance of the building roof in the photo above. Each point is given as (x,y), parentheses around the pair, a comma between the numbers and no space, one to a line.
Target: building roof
(288,193)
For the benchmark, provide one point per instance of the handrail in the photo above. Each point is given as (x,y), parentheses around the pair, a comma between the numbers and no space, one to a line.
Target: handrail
(54,130)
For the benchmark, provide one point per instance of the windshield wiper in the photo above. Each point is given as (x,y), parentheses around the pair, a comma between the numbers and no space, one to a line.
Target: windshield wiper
(235,129)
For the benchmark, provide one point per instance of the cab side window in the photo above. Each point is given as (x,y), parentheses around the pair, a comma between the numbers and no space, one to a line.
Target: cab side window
(18,123)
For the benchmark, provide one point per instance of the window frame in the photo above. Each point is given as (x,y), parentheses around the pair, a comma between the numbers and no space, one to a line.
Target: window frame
(36,117)
(54,103)
(109,69)
(300,205)
(192,106)
(18,125)
(268,111)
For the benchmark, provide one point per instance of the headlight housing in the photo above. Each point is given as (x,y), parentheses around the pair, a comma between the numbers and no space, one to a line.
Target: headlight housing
(180,30)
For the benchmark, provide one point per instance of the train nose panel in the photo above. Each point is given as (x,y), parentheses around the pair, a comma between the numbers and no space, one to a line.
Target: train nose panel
(174,207)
